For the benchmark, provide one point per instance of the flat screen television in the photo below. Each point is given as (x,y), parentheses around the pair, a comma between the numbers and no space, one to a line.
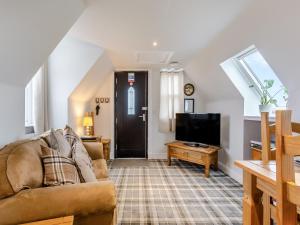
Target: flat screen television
(198,128)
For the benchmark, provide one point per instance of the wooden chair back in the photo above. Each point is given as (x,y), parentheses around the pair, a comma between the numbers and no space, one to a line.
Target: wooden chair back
(266,131)
(287,146)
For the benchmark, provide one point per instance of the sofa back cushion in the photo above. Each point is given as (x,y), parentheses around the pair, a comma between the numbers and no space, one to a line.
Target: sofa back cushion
(20,167)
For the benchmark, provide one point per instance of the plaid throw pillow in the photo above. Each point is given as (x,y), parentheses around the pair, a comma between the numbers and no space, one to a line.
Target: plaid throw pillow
(58,169)
(80,156)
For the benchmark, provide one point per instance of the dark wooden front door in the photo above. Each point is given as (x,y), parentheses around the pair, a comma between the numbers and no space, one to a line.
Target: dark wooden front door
(131,114)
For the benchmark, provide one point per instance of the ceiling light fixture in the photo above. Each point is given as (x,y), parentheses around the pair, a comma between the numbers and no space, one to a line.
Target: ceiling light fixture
(174,67)
(154,44)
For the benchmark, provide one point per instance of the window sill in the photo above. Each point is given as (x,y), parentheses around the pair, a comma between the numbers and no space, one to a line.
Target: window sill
(29,130)
(258,118)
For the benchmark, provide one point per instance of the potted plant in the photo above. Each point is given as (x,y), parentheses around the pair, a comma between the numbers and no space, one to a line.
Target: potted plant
(266,101)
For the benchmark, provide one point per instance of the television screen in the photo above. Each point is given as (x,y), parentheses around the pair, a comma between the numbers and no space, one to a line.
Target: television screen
(199,128)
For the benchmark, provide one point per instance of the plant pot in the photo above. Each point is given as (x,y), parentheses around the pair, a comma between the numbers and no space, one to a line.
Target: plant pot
(265,108)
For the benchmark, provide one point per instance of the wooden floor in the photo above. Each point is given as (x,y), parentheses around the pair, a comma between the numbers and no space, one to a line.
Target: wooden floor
(57,221)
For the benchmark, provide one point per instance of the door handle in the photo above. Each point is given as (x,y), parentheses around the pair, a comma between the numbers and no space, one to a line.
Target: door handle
(144,117)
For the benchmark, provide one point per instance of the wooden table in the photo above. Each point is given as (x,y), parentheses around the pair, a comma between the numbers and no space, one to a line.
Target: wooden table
(68,220)
(106,147)
(258,178)
(203,156)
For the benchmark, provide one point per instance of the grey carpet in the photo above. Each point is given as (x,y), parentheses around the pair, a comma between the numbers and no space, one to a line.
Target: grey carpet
(153,193)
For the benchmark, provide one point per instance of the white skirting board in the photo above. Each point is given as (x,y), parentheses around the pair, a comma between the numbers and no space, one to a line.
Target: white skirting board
(233,172)
(157,156)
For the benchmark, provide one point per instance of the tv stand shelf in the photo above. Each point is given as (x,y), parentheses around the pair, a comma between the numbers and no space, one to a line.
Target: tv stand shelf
(204,156)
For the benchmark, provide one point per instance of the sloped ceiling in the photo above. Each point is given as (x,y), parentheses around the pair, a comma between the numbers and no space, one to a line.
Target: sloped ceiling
(273,26)
(182,27)
(30,30)
(90,84)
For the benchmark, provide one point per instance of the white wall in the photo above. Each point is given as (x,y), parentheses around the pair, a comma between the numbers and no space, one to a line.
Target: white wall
(198,96)
(156,139)
(232,139)
(30,30)
(79,101)
(273,26)
(104,122)
(12,113)
(68,65)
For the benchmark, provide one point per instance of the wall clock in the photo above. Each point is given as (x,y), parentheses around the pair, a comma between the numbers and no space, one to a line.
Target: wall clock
(189,89)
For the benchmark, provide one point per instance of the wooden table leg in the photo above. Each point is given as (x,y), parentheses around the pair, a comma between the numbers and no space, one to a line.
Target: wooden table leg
(207,167)
(252,207)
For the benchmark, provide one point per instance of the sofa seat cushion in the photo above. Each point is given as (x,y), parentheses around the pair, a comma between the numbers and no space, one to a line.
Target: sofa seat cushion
(59,201)
(20,167)
(100,168)
(58,169)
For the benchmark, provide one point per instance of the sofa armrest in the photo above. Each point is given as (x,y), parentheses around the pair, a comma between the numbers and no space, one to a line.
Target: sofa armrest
(52,202)
(95,149)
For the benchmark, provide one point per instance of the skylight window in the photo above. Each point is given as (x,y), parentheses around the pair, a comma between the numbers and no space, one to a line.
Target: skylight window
(258,71)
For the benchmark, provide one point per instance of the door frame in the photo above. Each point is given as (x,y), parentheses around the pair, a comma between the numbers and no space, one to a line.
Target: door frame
(147,117)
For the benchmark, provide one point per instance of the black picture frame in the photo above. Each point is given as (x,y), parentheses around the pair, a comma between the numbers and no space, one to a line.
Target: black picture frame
(189,105)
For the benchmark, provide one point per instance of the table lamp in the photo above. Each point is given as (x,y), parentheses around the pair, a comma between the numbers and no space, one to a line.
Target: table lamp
(88,125)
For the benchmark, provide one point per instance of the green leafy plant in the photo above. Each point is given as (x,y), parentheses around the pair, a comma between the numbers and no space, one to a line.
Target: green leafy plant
(265,98)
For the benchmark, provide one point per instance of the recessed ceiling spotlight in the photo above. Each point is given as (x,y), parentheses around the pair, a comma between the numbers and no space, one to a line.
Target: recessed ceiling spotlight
(154,44)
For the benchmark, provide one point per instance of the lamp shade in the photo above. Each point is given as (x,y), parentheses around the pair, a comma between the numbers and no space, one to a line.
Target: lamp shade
(87,121)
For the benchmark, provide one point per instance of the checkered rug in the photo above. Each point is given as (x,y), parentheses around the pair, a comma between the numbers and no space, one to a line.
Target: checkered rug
(157,194)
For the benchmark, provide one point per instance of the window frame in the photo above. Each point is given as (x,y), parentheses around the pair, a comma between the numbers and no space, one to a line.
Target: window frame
(246,70)
(29,105)
(29,124)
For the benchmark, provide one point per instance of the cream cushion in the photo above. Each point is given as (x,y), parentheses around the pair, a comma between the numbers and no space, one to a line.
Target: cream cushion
(56,140)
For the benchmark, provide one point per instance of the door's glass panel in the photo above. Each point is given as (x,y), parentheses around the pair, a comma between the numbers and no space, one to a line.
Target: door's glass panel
(131,101)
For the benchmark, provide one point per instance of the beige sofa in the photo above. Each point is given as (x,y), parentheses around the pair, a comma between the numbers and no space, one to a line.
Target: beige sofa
(23,198)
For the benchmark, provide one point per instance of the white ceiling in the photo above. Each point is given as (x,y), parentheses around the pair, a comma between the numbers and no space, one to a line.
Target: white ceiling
(125,27)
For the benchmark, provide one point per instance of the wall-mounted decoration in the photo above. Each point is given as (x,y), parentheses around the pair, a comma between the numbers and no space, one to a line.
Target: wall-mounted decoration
(97,109)
(189,104)
(189,89)
(100,101)
(97,100)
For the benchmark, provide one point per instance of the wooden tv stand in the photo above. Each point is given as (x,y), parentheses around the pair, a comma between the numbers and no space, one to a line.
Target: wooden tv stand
(203,156)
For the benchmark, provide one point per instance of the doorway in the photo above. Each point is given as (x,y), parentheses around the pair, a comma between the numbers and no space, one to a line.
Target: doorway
(131,114)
